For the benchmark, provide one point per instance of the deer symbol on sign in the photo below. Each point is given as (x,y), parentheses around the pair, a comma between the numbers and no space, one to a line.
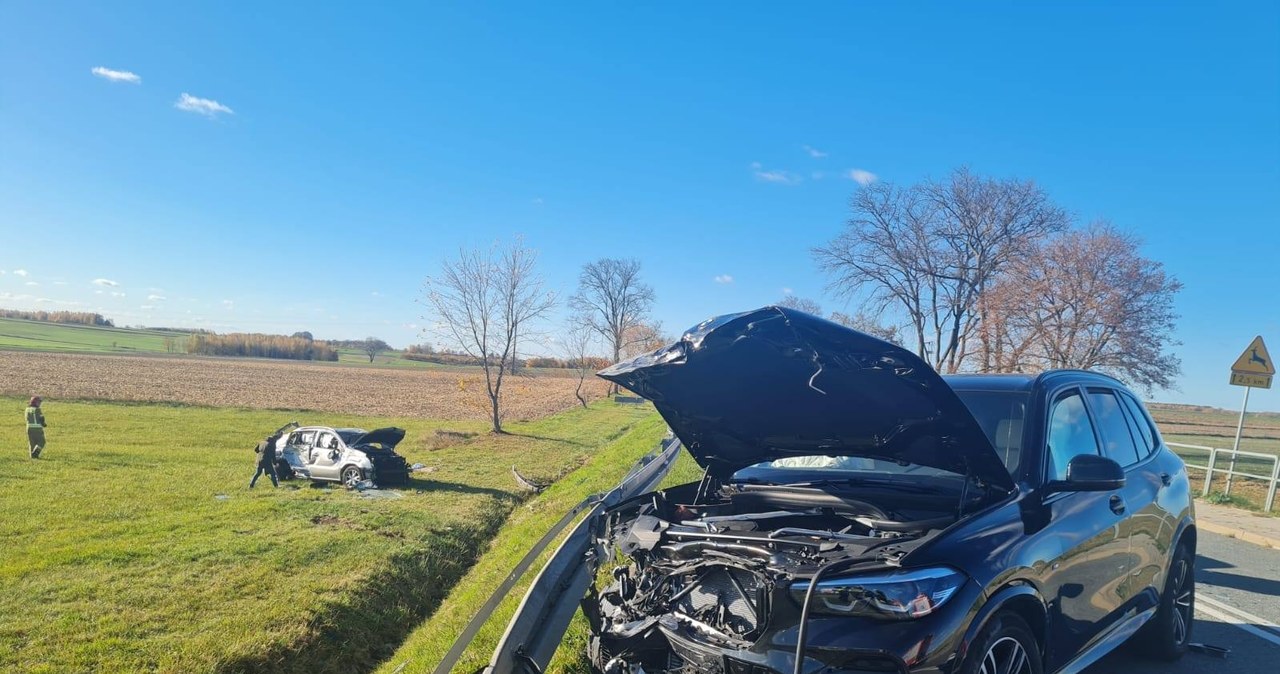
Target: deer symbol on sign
(1255,358)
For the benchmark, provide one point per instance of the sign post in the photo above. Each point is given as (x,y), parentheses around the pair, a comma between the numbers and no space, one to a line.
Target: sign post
(1253,369)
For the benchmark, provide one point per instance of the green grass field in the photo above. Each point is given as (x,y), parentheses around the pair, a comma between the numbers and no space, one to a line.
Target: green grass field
(42,336)
(136,546)
(57,337)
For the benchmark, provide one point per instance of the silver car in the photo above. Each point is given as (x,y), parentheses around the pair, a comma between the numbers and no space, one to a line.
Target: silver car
(346,455)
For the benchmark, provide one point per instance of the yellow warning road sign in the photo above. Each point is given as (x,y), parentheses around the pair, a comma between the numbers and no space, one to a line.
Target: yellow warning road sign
(1255,359)
(1254,367)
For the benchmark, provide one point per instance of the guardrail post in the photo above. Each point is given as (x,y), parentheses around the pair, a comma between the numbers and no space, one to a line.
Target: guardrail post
(1271,490)
(1231,471)
(1208,471)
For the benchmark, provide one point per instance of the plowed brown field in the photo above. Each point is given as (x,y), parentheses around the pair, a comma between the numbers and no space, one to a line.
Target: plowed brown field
(273,384)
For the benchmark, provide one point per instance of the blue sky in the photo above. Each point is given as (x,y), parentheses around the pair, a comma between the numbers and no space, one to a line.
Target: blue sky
(290,166)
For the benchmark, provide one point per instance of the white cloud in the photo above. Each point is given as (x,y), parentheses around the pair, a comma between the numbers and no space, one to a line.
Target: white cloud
(105,282)
(59,283)
(64,303)
(20,272)
(787,291)
(228,303)
(32,283)
(862,177)
(155,298)
(116,294)
(201,106)
(537,201)
(723,278)
(814,152)
(117,75)
(375,294)
(147,307)
(773,176)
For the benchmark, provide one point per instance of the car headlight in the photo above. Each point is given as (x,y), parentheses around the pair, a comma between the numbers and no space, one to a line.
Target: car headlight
(898,595)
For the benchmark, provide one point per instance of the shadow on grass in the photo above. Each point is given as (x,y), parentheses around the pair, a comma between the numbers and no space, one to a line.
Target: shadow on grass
(455,487)
(358,632)
(547,438)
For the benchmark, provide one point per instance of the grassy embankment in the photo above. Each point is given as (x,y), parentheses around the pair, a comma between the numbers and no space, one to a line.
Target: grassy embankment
(427,645)
(135,545)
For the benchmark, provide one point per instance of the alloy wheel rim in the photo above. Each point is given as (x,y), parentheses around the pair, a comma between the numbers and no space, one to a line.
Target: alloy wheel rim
(1006,656)
(1183,600)
(352,476)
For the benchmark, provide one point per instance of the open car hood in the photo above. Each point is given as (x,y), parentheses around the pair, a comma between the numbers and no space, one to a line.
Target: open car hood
(757,386)
(387,437)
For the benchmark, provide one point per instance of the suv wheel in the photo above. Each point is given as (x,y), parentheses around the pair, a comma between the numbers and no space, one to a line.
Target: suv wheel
(351,475)
(1004,646)
(1166,635)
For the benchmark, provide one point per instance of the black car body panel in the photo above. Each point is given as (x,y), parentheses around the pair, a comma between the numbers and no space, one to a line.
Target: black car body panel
(714,573)
(756,386)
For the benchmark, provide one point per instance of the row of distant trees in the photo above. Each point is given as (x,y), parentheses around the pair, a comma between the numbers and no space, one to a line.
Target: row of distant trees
(65,317)
(973,273)
(253,345)
(983,274)
(486,301)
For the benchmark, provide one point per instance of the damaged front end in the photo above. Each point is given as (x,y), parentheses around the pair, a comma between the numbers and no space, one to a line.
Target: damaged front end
(695,585)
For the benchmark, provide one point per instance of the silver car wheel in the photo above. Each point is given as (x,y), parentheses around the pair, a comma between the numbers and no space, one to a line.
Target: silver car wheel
(350,476)
(1006,656)
(1183,600)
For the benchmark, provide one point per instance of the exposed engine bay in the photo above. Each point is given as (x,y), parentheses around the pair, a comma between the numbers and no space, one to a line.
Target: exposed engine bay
(685,568)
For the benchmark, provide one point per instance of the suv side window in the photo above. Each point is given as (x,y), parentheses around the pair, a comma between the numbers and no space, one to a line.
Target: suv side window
(1118,442)
(1141,425)
(1070,434)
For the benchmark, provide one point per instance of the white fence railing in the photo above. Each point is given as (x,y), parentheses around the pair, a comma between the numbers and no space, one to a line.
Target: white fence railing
(1223,462)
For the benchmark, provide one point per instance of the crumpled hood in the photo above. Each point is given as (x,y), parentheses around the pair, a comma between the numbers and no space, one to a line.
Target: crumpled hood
(387,437)
(757,386)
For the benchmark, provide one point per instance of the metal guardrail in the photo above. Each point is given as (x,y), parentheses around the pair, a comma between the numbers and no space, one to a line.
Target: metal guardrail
(540,622)
(548,606)
(1214,466)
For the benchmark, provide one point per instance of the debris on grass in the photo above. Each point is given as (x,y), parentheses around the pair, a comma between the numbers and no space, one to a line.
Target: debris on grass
(527,484)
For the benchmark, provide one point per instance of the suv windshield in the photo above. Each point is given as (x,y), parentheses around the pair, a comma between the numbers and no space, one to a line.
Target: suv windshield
(1000,414)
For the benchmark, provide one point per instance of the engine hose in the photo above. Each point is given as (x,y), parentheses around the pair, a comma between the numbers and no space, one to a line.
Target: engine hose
(802,633)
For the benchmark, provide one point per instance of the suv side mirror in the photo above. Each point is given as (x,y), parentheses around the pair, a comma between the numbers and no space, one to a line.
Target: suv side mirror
(1090,472)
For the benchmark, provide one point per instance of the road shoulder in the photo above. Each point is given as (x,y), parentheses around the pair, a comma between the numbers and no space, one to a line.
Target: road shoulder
(1244,525)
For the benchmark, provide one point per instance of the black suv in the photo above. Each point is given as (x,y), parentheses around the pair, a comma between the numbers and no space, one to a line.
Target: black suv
(859,513)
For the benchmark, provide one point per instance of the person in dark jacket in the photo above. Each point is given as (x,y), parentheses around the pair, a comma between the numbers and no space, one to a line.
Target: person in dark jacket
(266,451)
(35,427)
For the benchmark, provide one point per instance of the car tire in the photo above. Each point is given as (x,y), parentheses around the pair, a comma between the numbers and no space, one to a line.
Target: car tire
(1166,635)
(351,475)
(1005,645)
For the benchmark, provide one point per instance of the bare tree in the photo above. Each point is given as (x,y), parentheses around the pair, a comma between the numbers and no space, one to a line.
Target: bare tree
(1088,300)
(864,322)
(613,300)
(481,299)
(932,249)
(372,346)
(644,337)
(801,304)
(578,344)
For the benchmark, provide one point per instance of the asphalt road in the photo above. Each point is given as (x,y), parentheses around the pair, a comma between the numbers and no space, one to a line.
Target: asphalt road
(1237,607)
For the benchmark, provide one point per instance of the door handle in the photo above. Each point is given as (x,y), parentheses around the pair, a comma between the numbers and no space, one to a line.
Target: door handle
(1165,479)
(1117,505)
